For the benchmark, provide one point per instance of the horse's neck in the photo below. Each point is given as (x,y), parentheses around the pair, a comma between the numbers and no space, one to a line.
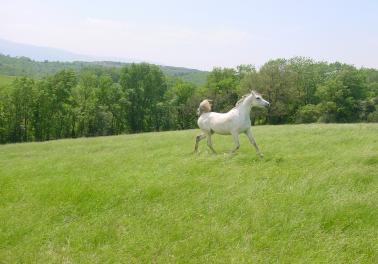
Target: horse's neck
(245,109)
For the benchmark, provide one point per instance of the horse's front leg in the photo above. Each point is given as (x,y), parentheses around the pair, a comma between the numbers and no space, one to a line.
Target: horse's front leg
(235,136)
(253,142)
(210,143)
(198,139)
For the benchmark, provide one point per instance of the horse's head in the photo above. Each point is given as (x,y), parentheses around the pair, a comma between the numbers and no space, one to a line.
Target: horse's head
(257,100)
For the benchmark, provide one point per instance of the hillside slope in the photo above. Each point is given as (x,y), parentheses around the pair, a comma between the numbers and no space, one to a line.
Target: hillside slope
(6,80)
(23,66)
(145,199)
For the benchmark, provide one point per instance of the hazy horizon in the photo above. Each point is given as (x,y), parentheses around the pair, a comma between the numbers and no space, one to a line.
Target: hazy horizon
(198,34)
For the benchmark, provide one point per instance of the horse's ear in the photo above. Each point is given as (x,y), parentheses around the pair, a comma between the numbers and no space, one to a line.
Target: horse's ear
(253,92)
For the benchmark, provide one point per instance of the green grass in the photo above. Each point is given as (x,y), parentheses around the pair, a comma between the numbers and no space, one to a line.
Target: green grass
(145,199)
(6,80)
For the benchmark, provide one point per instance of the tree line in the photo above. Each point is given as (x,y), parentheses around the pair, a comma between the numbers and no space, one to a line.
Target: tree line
(23,66)
(140,97)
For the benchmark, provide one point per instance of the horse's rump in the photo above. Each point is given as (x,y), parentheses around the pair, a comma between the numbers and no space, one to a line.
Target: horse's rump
(204,107)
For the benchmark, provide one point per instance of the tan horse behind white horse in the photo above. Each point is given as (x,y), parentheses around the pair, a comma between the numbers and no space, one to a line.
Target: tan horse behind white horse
(234,122)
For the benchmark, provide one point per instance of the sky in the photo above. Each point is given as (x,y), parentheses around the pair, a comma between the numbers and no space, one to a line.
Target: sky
(199,34)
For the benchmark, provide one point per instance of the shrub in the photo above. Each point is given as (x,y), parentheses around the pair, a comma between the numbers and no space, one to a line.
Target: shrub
(307,114)
(373,117)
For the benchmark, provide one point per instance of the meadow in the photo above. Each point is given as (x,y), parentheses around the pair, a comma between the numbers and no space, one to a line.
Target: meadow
(144,198)
(6,81)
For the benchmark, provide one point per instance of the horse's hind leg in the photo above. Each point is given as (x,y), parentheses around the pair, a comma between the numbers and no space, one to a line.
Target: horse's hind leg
(198,139)
(235,136)
(253,142)
(210,143)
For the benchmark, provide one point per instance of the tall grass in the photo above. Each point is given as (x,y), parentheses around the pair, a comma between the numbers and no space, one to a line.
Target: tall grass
(145,199)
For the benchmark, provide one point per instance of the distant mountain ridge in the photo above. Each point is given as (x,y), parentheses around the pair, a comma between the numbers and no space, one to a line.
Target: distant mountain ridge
(39,53)
(17,59)
(23,66)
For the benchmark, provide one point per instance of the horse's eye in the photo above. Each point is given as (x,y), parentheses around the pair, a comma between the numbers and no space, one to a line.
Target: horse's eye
(258,98)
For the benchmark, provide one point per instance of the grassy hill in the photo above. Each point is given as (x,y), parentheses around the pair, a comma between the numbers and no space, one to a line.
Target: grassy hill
(145,199)
(23,66)
(6,80)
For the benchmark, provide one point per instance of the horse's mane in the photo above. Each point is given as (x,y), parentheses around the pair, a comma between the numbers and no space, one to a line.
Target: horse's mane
(241,100)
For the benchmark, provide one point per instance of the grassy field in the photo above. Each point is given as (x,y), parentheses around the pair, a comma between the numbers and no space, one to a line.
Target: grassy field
(145,199)
(6,80)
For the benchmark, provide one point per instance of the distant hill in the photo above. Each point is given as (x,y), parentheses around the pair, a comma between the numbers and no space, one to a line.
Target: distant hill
(191,75)
(39,53)
(18,59)
(6,81)
(23,66)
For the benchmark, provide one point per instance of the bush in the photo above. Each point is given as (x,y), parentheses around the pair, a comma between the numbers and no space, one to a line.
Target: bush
(307,114)
(373,117)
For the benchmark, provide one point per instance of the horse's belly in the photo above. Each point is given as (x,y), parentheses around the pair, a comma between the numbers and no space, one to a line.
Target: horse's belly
(222,128)
(227,131)
(221,132)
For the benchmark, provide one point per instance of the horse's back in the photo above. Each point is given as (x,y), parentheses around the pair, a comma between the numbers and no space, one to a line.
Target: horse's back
(221,123)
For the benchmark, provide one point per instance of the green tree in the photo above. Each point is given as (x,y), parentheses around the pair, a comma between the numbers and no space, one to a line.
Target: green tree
(341,95)
(43,110)
(60,89)
(114,104)
(22,101)
(276,85)
(179,107)
(6,114)
(144,86)
(84,104)
(222,87)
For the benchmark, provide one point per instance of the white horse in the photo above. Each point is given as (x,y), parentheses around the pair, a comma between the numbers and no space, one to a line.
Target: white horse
(234,122)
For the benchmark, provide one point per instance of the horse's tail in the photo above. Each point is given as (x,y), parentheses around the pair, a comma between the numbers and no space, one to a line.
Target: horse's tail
(204,107)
